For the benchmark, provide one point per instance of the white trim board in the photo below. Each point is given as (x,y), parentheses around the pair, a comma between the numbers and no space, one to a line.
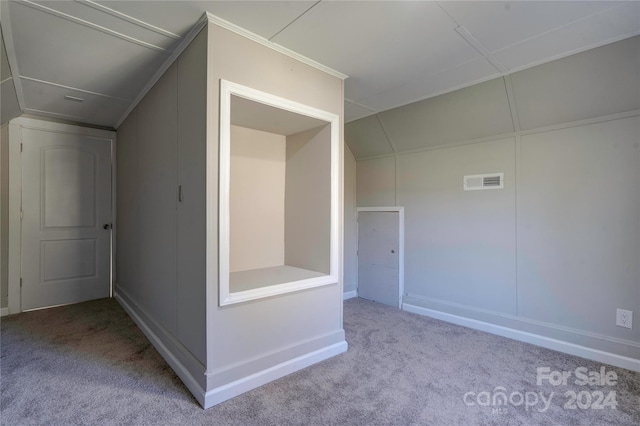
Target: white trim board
(534,339)
(233,389)
(400,211)
(227,391)
(278,48)
(349,294)
(226,296)
(4,312)
(158,342)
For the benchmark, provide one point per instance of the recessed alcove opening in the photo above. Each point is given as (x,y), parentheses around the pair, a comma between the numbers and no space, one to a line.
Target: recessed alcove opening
(278,195)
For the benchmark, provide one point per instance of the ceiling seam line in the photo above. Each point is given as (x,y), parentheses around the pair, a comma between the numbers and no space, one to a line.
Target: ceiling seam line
(511,100)
(193,33)
(396,163)
(526,132)
(292,22)
(473,41)
(41,111)
(93,26)
(560,27)
(130,19)
(89,92)
(386,136)
(12,59)
(446,13)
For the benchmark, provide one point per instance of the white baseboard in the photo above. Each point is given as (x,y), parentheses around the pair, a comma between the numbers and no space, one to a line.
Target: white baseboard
(176,364)
(4,312)
(349,294)
(230,390)
(535,339)
(168,350)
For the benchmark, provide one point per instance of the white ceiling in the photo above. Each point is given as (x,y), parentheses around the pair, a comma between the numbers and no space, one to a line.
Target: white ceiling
(394,52)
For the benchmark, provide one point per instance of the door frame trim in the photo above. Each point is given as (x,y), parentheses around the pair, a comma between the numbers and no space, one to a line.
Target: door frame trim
(400,211)
(15,196)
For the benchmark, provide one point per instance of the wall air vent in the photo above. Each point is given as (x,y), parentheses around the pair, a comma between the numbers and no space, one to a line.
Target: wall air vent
(487,181)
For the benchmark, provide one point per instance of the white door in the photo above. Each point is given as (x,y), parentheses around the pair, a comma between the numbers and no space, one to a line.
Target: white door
(66,225)
(378,256)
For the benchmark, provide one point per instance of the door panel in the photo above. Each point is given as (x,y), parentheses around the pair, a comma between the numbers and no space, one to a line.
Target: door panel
(378,257)
(66,200)
(69,193)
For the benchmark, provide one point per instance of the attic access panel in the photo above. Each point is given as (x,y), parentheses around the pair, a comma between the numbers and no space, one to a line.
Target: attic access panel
(310,253)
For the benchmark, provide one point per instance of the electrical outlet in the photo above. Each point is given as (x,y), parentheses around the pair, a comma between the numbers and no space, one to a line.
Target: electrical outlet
(624,318)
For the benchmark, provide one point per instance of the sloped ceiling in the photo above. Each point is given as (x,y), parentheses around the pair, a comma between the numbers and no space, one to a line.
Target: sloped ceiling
(88,61)
(599,82)
(9,108)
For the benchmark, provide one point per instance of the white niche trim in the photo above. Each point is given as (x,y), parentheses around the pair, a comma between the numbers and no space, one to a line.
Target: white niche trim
(265,112)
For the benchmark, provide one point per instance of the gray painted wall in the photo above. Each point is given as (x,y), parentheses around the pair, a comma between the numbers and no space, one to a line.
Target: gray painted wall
(460,245)
(350,226)
(376,182)
(167,251)
(192,211)
(264,333)
(590,84)
(4,216)
(159,255)
(558,249)
(579,226)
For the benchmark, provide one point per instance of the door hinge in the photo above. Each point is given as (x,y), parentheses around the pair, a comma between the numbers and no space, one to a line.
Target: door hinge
(20,282)
(21,214)
(20,146)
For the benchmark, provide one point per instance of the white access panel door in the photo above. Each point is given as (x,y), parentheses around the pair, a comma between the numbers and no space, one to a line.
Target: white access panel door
(378,256)
(66,204)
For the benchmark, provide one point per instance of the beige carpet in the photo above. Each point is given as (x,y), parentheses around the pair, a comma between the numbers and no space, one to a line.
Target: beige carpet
(88,364)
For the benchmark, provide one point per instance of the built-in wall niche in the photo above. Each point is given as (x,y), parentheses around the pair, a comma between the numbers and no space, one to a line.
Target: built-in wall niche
(279,195)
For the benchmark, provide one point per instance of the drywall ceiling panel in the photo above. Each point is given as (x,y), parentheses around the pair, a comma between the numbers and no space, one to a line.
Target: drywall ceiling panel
(9,107)
(44,98)
(429,85)
(598,82)
(5,72)
(611,25)
(366,138)
(474,112)
(353,111)
(500,24)
(378,44)
(264,18)
(103,17)
(79,56)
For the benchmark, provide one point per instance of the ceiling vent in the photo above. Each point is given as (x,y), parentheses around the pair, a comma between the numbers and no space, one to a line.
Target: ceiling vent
(487,181)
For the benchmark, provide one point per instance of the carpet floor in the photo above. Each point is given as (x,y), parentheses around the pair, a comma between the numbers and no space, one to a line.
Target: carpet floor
(89,364)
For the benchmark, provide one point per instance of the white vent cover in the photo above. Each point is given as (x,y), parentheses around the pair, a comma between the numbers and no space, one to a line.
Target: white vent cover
(487,181)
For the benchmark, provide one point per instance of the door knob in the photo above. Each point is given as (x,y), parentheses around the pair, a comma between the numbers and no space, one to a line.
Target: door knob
(393,251)
(106,226)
